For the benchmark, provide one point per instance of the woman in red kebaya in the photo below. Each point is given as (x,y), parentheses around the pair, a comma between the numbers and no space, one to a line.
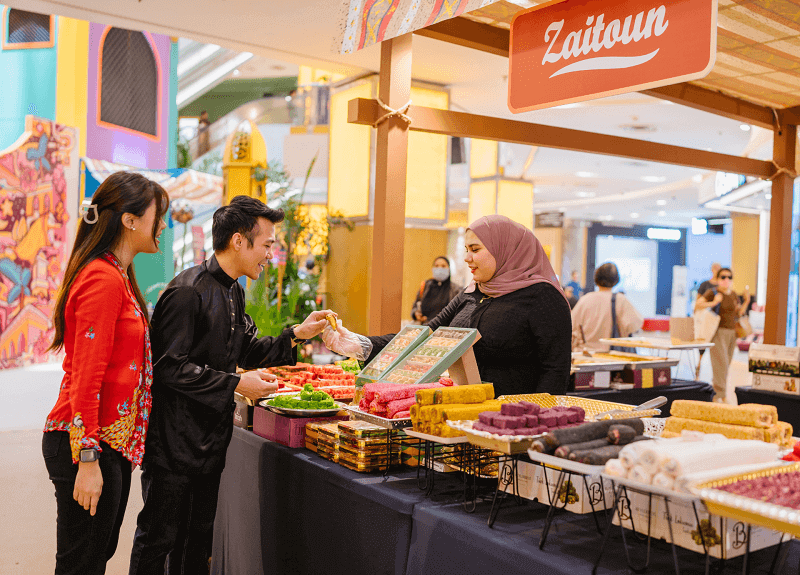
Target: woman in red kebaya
(95,434)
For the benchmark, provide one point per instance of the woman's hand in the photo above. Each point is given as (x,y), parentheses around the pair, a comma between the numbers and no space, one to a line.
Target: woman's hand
(419,317)
(88,486)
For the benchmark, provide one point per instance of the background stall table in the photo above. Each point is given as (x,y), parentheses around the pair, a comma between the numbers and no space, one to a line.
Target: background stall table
(788,405)
(679,389)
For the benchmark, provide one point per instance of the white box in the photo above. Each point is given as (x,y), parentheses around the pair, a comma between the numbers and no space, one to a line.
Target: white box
(780,384)
(726,538)
(527,480)
(774,360)
(581,501)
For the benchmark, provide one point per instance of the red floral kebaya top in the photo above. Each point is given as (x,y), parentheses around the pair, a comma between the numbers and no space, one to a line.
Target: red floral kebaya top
(105,393)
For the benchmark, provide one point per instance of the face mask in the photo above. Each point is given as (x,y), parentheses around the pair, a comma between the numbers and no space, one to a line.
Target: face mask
(441,274)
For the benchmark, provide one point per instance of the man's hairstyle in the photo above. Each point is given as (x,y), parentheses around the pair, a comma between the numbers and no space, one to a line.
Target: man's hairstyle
(241,216)
(607,275)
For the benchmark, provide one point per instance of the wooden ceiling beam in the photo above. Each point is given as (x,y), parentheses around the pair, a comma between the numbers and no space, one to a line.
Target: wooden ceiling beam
(449,123)
(715,103)
(791,115)
(469,34)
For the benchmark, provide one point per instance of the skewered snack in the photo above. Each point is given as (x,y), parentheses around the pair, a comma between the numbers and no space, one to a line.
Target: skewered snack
(752,415)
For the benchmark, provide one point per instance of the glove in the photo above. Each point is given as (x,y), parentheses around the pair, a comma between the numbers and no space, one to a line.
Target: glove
(345,342)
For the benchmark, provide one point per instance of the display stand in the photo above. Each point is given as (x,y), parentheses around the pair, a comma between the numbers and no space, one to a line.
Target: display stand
(464,370)
(622,485)
(685,349)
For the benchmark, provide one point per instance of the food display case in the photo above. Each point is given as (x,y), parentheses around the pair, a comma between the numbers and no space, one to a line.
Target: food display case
(448,346)
(396,350)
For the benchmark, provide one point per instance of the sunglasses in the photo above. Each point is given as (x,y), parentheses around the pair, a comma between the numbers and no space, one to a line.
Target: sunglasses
(726,277)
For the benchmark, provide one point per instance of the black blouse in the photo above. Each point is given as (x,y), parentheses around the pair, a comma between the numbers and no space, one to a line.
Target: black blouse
(526,338)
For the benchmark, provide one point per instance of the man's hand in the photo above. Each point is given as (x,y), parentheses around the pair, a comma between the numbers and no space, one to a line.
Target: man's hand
(256,384)
(419,317)
(88,486)
(313,325)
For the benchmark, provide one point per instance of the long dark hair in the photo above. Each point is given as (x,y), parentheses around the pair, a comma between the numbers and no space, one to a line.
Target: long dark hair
(120,193)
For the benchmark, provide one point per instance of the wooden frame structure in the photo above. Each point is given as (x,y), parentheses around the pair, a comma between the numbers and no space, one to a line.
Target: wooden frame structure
(395,76)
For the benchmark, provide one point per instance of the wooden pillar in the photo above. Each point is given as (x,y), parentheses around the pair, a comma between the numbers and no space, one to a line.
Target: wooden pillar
(391,159)
(780,237)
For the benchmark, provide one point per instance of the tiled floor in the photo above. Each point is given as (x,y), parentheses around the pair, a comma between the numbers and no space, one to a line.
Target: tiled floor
(27,508)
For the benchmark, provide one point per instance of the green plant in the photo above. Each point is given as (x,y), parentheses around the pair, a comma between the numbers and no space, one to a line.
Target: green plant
(211,164)
(184,155)
(298,284)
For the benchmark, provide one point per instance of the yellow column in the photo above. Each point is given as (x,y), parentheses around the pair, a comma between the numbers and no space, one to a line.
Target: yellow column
(72,76)
(744,252)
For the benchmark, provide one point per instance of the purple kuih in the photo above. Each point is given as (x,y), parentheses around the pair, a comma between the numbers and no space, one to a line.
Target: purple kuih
(525,418)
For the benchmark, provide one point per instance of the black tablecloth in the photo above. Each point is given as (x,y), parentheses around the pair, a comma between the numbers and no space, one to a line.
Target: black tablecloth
(284,511)
(680,389)
(788,405)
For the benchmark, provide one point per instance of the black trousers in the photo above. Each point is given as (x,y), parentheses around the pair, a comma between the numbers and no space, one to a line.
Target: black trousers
(86,543)
(176,525)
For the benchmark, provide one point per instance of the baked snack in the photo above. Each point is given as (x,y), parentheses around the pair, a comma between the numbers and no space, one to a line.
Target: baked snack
(752,415)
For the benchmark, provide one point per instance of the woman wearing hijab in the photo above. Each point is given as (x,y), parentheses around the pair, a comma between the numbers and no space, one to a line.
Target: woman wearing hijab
(435,293)
(516,303)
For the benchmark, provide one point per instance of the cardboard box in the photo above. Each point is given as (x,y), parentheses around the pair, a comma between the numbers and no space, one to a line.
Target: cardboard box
(780,384)
(243,414)
(592,379)
(726,538)
(643,378)
(770,359)
(531,484)
(288,431)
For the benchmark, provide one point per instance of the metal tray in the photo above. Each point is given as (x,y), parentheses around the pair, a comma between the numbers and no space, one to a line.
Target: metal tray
(508,444)
(590,406)
(384,422)
(596,364)
(302,412)
(565,464)
(753,511)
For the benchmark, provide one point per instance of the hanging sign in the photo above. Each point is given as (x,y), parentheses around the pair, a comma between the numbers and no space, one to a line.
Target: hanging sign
(574,50)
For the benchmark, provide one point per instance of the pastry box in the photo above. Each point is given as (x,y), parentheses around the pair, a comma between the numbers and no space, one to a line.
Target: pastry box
(398,348)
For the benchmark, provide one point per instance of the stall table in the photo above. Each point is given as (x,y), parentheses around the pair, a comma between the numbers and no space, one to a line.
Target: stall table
(788,405)
(285,510)
(679,389)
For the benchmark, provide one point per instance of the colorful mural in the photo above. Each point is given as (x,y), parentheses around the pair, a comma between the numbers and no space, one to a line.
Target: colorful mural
(37,203)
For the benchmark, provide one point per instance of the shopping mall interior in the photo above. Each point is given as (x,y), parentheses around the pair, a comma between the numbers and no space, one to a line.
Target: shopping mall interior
(305,105)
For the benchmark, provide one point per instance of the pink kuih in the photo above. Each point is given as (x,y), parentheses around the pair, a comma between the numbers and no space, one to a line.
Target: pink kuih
(487,417)
(530,408)
(532,420)
(512,409)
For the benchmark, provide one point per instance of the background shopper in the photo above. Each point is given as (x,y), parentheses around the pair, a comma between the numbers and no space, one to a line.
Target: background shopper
(516,304)
(725,303)
(577,290)
(592,317)
(710,283)
(435,293)
(95,434)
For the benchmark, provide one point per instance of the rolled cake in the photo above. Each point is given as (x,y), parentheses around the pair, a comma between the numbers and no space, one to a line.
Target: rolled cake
(751,415)
(460,394)
(663,481)
(707,456)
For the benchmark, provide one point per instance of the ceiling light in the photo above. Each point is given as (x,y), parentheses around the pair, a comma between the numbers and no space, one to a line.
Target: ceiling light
(585,174)
(464,200)
(288,98)
(236,72)
(202,54)
(634,215)
(661,202)
(607,218)
(662,213)
(585,194)
(253,113)
(697,178)
(699,227)
(207,80)
(663,234)
(767,196)
(745,127)
(654,179)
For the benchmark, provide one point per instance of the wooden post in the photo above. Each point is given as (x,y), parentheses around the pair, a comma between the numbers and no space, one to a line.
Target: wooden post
(391,158)
(780,236)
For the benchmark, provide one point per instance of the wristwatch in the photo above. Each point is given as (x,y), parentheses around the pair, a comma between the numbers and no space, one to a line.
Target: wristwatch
(89,455)
(296,340)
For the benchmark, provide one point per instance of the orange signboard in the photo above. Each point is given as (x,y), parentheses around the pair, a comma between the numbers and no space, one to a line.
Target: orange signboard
(573,50)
